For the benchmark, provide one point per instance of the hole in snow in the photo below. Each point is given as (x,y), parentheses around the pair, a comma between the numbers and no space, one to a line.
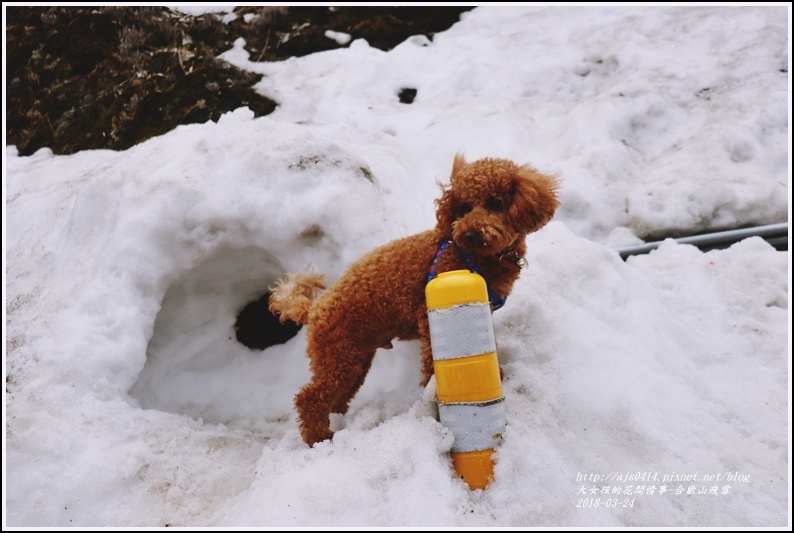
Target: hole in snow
(407,95)
(258,328)
(196,361)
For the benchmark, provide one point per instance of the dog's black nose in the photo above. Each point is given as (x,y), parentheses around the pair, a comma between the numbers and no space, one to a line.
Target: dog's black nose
(472,238)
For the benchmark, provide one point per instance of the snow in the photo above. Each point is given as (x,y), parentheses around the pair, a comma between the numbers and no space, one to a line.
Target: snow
(341,38)
(130,403)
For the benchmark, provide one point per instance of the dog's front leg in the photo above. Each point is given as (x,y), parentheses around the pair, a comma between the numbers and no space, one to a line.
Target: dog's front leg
(427,352)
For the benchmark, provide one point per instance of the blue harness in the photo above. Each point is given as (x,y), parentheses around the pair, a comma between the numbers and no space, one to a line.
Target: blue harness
(496,302)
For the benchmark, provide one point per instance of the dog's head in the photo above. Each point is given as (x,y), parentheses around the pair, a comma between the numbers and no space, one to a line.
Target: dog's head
(492,204)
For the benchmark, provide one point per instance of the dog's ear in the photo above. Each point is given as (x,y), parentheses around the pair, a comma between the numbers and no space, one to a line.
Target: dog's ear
(457,165)
(534,199)
(444,213)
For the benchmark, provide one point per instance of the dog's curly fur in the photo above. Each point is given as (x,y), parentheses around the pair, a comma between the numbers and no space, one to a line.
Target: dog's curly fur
(487,210)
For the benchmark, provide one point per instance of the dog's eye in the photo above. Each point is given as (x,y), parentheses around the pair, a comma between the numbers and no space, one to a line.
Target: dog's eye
(463,209)
(494,204)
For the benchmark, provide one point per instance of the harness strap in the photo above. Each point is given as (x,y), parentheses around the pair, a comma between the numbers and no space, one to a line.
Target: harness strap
(496,302)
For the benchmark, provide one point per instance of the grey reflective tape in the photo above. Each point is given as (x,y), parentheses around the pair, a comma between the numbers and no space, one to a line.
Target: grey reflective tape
(461,330)
(476,426)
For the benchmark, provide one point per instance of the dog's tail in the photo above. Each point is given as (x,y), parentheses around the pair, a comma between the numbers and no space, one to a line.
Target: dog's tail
(292,296)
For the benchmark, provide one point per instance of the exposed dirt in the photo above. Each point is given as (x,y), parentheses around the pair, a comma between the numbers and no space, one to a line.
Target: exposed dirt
(110,77)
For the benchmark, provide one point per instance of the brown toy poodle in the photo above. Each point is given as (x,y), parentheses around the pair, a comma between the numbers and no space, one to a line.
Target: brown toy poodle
(483,218)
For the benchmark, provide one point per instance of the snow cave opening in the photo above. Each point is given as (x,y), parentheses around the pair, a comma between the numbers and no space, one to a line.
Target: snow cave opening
(208,353)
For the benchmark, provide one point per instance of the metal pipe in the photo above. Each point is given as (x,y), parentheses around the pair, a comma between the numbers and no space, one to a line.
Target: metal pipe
(774,234)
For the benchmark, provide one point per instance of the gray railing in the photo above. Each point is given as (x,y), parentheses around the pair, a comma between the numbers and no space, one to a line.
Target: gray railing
(774,234)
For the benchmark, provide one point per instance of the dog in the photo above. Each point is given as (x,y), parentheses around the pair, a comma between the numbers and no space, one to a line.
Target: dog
(483,218)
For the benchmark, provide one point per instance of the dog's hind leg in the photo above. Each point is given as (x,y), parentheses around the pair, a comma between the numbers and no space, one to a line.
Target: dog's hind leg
(337,378)
(313,410)
(343,401)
